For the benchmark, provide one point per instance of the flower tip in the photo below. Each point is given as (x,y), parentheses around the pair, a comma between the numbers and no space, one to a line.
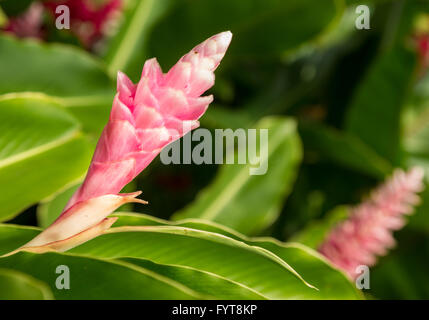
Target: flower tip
(152,69)
(223,39)
(227,35)
(120,76)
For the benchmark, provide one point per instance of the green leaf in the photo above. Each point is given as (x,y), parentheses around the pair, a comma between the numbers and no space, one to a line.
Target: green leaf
(206,283)
(42,150)
(374,113)
(96,278)
(54,69)
(15,285)
(254,267)
(200,243)
(194,258)
(343,148)
(69,75)
(250,203)
(330,282)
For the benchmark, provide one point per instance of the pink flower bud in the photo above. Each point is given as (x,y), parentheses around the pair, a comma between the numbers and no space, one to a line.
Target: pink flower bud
(149,115)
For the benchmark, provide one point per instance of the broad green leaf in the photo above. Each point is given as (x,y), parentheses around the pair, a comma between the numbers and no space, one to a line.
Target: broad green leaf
(344,148)
(176,252)
(260,27)
(253,267)
(375,110)
(250,203)
(331,283)
(15,285)
(204,283)
(56,70)
(96,278)
(41,151)
(127,50)
(69,75)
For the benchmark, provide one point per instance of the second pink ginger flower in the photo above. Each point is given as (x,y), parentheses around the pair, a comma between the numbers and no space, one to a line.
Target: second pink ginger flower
(367,233)
(145,117)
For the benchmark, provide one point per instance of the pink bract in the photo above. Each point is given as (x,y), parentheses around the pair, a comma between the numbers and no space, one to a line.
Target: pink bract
(367,233)
(145,117)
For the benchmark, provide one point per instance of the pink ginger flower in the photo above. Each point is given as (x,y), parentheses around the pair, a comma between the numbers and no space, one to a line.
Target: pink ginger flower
(145,117)
(28,24)
(367,233)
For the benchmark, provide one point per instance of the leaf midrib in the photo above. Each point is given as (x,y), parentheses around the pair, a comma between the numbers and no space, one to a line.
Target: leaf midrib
(215,237)
(40,149)
(67,102)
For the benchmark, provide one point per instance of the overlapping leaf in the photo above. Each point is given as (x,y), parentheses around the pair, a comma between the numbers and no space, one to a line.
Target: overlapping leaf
(41,150)
(69,75)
